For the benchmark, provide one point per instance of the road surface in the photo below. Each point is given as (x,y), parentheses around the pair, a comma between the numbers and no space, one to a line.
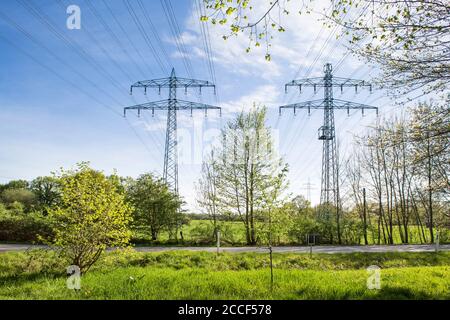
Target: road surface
(290,249)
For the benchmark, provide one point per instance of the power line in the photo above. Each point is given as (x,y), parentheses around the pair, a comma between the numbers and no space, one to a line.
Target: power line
(41,17)
(51,53)
(177,36)
(155,32)
(113,35)
(119,24)
(163,67)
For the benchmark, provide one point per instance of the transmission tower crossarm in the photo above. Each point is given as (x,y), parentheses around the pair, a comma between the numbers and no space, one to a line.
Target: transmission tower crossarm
(173,83)
(172,105)
(314,104)
(320,104)
(178,105)
(342,104)
(188,105)
(322,82)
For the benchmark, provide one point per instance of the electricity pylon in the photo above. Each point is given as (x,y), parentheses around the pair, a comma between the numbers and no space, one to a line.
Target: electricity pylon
(172,105)
(308,187)
(329,193)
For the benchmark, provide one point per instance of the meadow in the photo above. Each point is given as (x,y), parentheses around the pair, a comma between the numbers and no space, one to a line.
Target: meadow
(199,232)
(202,275)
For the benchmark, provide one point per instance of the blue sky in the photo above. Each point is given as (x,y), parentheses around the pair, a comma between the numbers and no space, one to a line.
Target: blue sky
(64,107)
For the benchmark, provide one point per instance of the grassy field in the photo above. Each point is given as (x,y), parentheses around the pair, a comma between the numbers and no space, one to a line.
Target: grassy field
(199,232)
(202,275)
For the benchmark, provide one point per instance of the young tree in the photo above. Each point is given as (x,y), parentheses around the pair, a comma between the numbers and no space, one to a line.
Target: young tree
(91,216)
(207,191)
(274,221)
(155,206)
(246,162)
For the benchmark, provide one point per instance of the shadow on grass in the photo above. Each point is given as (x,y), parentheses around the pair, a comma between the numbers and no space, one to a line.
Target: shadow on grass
(19,279)
(396,293)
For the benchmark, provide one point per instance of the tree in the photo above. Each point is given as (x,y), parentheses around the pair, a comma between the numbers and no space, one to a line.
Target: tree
(47,192)
(14,184)
(91,216)
(23,196)
(430,142)
(303,220)
(274,222)
(408,39)
(245,165)
(404,164)
(155,206)
(207,191)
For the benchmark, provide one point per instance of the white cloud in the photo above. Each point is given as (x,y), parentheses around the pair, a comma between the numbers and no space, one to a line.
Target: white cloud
(264,95)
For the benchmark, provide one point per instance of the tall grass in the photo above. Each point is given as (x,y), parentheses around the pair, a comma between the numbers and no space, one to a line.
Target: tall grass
(203,275)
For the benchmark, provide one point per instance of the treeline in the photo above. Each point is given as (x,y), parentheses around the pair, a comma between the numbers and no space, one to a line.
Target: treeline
(402,165)
(27,209)
(396,184)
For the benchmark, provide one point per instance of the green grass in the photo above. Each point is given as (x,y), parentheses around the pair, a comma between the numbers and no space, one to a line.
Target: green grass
(202,275)
(199,232)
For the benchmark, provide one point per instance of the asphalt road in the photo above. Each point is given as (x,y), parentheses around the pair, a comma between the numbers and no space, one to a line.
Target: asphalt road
(318,249)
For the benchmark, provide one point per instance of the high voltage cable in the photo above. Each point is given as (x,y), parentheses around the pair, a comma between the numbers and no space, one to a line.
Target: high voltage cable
(111,33)
(163,67)
(155,33)
(99,45)
(41,17)
(313,45)
(155,139)
(180,37)
(119,24)
(174,28)
(144,62)
(56,73)
(204,30)
(50,52)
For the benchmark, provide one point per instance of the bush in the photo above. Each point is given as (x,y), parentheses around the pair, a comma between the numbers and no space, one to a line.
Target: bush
(203,233)
(92,216)
(24,227)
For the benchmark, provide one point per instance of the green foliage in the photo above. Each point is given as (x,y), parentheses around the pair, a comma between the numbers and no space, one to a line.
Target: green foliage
(155,206)
(23,196)
(408,39)
(46,190)
(14,184)
(201,275)
(91,216)
(19,227)
(244,172)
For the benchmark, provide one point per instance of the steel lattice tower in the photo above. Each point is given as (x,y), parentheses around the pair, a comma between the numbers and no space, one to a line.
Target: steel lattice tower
(329,193)
(172,105)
